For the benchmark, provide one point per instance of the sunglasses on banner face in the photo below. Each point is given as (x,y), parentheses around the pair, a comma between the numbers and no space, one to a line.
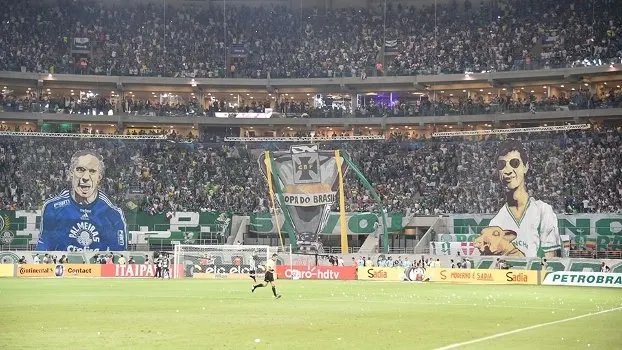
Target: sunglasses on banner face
(514,163)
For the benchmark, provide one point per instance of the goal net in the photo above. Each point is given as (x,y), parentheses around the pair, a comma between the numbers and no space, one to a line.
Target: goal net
(222,261)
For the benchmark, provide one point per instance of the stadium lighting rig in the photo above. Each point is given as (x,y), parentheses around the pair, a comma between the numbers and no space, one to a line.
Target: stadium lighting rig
(304,138)
(82,136)
(512,130)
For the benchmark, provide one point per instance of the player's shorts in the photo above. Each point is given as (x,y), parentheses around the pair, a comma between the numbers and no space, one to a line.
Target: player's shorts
(269,277)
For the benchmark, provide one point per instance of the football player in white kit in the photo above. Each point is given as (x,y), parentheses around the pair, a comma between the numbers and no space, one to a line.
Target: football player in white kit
(524,226)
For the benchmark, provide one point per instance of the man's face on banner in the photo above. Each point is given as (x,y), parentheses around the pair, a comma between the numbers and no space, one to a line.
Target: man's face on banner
(86,174)
(512,170)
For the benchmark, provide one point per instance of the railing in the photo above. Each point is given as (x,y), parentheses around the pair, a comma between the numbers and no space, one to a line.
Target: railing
(425,110)
(603,254)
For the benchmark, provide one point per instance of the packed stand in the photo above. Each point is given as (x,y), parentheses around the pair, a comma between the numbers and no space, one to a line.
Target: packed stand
(424,176)
(150,40)
(425,106)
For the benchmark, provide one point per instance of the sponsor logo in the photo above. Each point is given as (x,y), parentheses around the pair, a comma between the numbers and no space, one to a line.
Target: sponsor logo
(6,237)
(476,276)
(132,270)
(59,270)
(85,233)
(316,272)
(35,270)
(381,273)
(61,204)
(121,237)
(584,279)
(73,248)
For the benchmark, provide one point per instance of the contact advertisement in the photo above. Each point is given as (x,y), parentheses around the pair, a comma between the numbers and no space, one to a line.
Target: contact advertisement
(477,276)
(316,272)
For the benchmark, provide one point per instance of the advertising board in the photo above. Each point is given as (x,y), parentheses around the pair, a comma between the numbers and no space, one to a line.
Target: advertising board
(316,272)
(380,274)
(478,276)
(583,279)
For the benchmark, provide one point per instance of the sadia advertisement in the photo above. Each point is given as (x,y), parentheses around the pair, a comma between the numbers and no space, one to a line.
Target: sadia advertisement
(477,276)
(381,273)
(316,272)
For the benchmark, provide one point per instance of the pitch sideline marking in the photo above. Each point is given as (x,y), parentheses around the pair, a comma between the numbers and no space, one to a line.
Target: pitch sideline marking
(540,325)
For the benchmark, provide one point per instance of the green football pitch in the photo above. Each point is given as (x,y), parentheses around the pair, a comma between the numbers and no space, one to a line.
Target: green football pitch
(201,314)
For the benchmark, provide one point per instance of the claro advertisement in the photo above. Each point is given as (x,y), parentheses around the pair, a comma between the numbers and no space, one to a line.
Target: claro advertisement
(316,272)
(476,276)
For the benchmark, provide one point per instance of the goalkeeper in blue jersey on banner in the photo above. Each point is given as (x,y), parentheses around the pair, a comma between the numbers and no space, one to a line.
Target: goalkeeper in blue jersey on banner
(82,219)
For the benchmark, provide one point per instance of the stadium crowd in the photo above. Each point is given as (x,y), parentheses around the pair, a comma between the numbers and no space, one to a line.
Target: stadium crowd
(427,105)
(574,172)
(151,40)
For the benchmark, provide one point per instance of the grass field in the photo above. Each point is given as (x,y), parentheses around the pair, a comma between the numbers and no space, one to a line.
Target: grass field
(200,314)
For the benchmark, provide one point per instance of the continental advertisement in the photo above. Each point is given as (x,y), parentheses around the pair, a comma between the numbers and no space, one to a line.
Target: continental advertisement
(316,272)
(583,279)
(380,274)
(477,276)
(7,270)
(59,270)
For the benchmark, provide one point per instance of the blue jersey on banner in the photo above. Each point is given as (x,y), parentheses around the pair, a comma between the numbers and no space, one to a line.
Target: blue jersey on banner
(69,226)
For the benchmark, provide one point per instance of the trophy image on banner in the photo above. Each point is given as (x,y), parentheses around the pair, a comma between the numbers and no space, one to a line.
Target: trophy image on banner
(304,182)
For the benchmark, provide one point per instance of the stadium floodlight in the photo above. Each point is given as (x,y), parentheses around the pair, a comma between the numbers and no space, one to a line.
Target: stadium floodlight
(223,261)
(82,136)
(304,138)
(512,130)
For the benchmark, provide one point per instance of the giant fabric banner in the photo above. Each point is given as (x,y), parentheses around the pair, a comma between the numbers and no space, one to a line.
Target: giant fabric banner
(362,223)
(479,276)
(592,231)
(21,228)
(303,182)
(583,279)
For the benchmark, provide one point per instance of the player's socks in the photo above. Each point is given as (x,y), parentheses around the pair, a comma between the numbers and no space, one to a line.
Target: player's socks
(254,279)
(274,291)
(257,286)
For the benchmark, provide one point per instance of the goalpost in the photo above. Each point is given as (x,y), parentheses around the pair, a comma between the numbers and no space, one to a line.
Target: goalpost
(223,261)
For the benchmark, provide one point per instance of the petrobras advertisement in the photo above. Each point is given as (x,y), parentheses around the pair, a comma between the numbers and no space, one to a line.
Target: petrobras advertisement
(583,279)
(316,272)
